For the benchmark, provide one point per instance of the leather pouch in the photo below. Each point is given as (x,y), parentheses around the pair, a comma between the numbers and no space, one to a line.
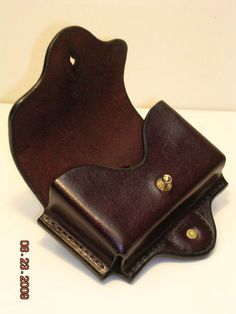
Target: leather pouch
(116,189)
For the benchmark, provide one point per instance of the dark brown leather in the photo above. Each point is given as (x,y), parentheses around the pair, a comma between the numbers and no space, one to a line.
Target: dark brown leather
(75,114)
(77,132)
(120,212)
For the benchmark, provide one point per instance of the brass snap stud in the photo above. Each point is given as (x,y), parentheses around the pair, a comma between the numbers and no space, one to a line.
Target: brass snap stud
(192,234)
(164,183)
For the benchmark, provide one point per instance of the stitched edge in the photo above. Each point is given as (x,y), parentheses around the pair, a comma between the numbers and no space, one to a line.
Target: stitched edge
(89,257)
(154,250)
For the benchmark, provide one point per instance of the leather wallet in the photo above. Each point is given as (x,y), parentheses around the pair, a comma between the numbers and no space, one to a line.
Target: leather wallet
(116,189)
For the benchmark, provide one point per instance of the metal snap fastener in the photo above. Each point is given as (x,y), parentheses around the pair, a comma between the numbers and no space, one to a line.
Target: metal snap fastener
(192,234)
(164,183)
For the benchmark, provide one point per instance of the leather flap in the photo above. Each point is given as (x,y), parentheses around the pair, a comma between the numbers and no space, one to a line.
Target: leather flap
(77,113)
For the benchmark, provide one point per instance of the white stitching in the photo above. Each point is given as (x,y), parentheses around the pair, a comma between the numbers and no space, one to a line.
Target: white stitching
(78,247)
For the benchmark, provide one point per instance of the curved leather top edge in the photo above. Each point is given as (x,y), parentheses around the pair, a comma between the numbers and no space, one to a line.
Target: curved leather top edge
(46,60)
(149,116)
(20,102)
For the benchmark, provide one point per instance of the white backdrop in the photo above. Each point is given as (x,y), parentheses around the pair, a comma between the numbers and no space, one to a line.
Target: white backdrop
(181,51)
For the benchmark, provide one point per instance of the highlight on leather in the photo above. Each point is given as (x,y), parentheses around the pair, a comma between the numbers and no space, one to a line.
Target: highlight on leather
(94,163)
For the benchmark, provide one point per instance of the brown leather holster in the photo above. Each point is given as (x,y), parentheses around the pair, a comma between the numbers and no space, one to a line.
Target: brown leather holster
(116,189)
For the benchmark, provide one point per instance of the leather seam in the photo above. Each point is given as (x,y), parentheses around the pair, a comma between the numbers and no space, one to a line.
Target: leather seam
(74,244)
(151,252)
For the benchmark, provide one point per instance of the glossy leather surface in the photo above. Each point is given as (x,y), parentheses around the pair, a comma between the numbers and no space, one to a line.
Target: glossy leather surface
(87,155)
(121,211)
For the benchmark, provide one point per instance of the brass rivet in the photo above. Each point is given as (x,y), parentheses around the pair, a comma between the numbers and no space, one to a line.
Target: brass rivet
(164,183)
(192,233)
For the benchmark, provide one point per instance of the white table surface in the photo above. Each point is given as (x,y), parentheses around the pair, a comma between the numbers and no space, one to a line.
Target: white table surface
(61,283)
